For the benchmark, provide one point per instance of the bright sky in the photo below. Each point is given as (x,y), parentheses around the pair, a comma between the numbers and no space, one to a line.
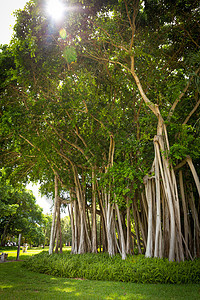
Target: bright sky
(43,202)
(55,9)
(7,19)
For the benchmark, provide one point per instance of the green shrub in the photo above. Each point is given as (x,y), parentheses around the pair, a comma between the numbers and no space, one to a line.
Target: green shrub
(102,267)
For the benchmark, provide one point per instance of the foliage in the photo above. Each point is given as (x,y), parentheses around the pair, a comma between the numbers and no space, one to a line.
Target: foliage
(46,228)
(52,94)
(188,143)
(19,213)
(66,230)
(136,269)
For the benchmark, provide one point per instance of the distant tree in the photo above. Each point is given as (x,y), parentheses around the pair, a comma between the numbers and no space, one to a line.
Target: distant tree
(66,230)
(19,213)
(46,227)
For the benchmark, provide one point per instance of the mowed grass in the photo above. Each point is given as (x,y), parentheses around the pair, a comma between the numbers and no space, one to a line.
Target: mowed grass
(12,252)
(19,283)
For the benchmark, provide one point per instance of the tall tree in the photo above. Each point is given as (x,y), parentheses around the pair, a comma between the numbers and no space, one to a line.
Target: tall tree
(91,93)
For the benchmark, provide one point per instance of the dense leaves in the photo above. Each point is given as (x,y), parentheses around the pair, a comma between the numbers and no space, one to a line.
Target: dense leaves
(102,267)
(19,213)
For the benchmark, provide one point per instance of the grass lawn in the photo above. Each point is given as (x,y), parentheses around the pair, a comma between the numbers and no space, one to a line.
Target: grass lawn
(19,283)
(12,252)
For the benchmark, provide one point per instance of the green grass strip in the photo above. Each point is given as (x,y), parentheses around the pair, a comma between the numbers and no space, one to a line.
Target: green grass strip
(18,283)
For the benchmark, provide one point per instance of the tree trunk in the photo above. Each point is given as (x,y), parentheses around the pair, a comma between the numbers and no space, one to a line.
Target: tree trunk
(75,227)
(94,223)
(109,230)
(51,245)
(71,214)
(136,226)
(149,249)
(185,213)
(122,240)
(128,234)
(83,223)
(196,222)
(166,225)
(169,183)
(104,235)
(194,173)
(58,229)
(158,233)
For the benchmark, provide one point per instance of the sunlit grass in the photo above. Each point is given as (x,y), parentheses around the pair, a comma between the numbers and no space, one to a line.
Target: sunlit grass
(18,283)
(12,253)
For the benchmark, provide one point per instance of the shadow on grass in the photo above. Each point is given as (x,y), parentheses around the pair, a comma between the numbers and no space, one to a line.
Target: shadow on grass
(19,283)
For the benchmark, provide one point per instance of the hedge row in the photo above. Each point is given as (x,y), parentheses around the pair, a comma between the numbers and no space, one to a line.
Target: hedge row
(136,269)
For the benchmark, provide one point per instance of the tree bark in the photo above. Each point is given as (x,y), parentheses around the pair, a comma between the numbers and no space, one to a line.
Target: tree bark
(158,234)
(128,232)
(94,223)
(51,245)
(149,249)
(196,221)
(135,217)
(194,173)
(122,239)
(185,212)
(83,223)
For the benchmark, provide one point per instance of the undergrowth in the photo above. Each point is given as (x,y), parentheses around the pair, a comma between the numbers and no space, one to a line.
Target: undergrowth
(136,269)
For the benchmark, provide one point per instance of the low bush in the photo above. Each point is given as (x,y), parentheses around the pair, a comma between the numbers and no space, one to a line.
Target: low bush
(136,269)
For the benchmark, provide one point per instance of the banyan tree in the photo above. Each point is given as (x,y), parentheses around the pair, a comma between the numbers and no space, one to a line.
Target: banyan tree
(106,108)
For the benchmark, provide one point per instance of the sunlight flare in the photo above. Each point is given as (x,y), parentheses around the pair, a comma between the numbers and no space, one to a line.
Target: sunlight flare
(56,9)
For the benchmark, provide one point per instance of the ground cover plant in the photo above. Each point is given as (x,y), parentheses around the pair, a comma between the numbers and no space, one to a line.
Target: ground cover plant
(101,266)
(19,283)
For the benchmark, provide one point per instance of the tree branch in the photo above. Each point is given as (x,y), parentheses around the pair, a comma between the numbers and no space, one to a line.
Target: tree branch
(180,96)
(191,113)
